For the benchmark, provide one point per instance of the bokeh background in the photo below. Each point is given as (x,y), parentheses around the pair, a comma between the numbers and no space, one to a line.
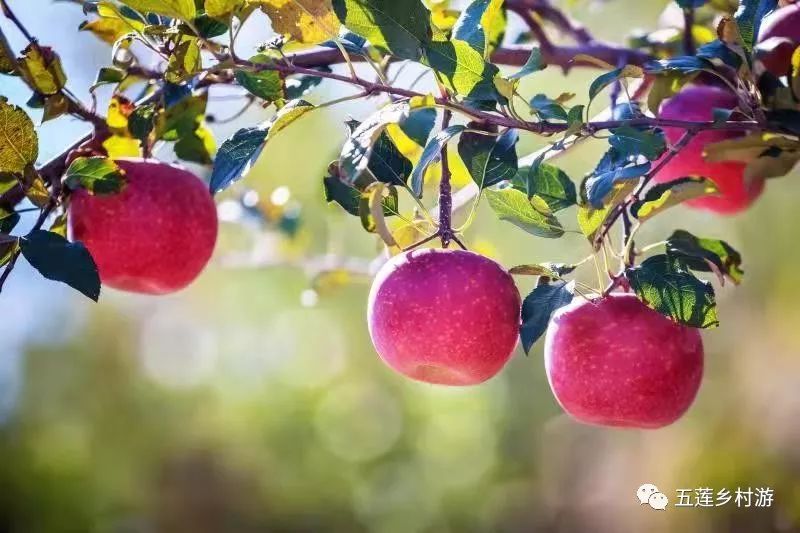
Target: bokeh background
(253,401)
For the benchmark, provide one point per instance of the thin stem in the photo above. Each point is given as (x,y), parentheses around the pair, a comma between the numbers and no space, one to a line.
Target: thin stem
(445,191)
(688,38)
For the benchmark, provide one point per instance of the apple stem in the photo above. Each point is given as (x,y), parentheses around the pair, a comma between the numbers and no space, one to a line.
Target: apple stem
(445,193)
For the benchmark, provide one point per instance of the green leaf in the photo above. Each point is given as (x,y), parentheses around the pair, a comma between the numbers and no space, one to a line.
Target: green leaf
(665,195)
(266,84)
(60,260)
(142,121)
(180,9)
(237,155)
(41,68)
(98,175)
(19,144)
(55,106)
(481,23)
(419,124)
(547,270)
(387,164)
(222,8)
(705,255)
(749,16)
(548,108)
(357,149)
(401,27)
(534,63)
(549,183)
(185,61)
(464,70)
(538,307)
(604,80)
(631,142)
(197,146)
(665,286)
(599,186)
(489,159)
(591,219)
(108,75)
(208,27)
(374,206)
(431,153)
(347,196)
(515,207)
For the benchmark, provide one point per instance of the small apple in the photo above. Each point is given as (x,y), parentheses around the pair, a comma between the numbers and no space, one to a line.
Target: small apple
(614,361)
(155,236)
(444,316)
(696,103)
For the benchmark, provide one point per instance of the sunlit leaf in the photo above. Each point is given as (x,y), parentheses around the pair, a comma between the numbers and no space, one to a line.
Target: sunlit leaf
(98,175)
(304,21)
(180,9)
(237,155)
(665,286)
(662,196)
(42,69)
(19,144)
(464,70)
(514,206)
(399,27)
(699,254)
(266,84)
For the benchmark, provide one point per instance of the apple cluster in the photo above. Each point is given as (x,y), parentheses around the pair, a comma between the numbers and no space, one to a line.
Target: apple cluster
(452,317)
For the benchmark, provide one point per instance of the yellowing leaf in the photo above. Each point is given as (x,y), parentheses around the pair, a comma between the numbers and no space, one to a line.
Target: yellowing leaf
(304,21)
(221,8)
(117,146)
(180,9)
(41,68)
(19,145)
(375,192)
(118,112)
(106,29)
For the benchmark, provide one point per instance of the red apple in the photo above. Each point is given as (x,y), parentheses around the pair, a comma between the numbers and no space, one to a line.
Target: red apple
(778,37)
(444,316)
(696,103)
(616,362)
(155,236)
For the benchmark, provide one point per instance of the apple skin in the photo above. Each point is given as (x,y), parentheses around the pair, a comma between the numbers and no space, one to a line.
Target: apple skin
(153,237)
(449,317)
(696,103)
(783,24)
(616,362)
